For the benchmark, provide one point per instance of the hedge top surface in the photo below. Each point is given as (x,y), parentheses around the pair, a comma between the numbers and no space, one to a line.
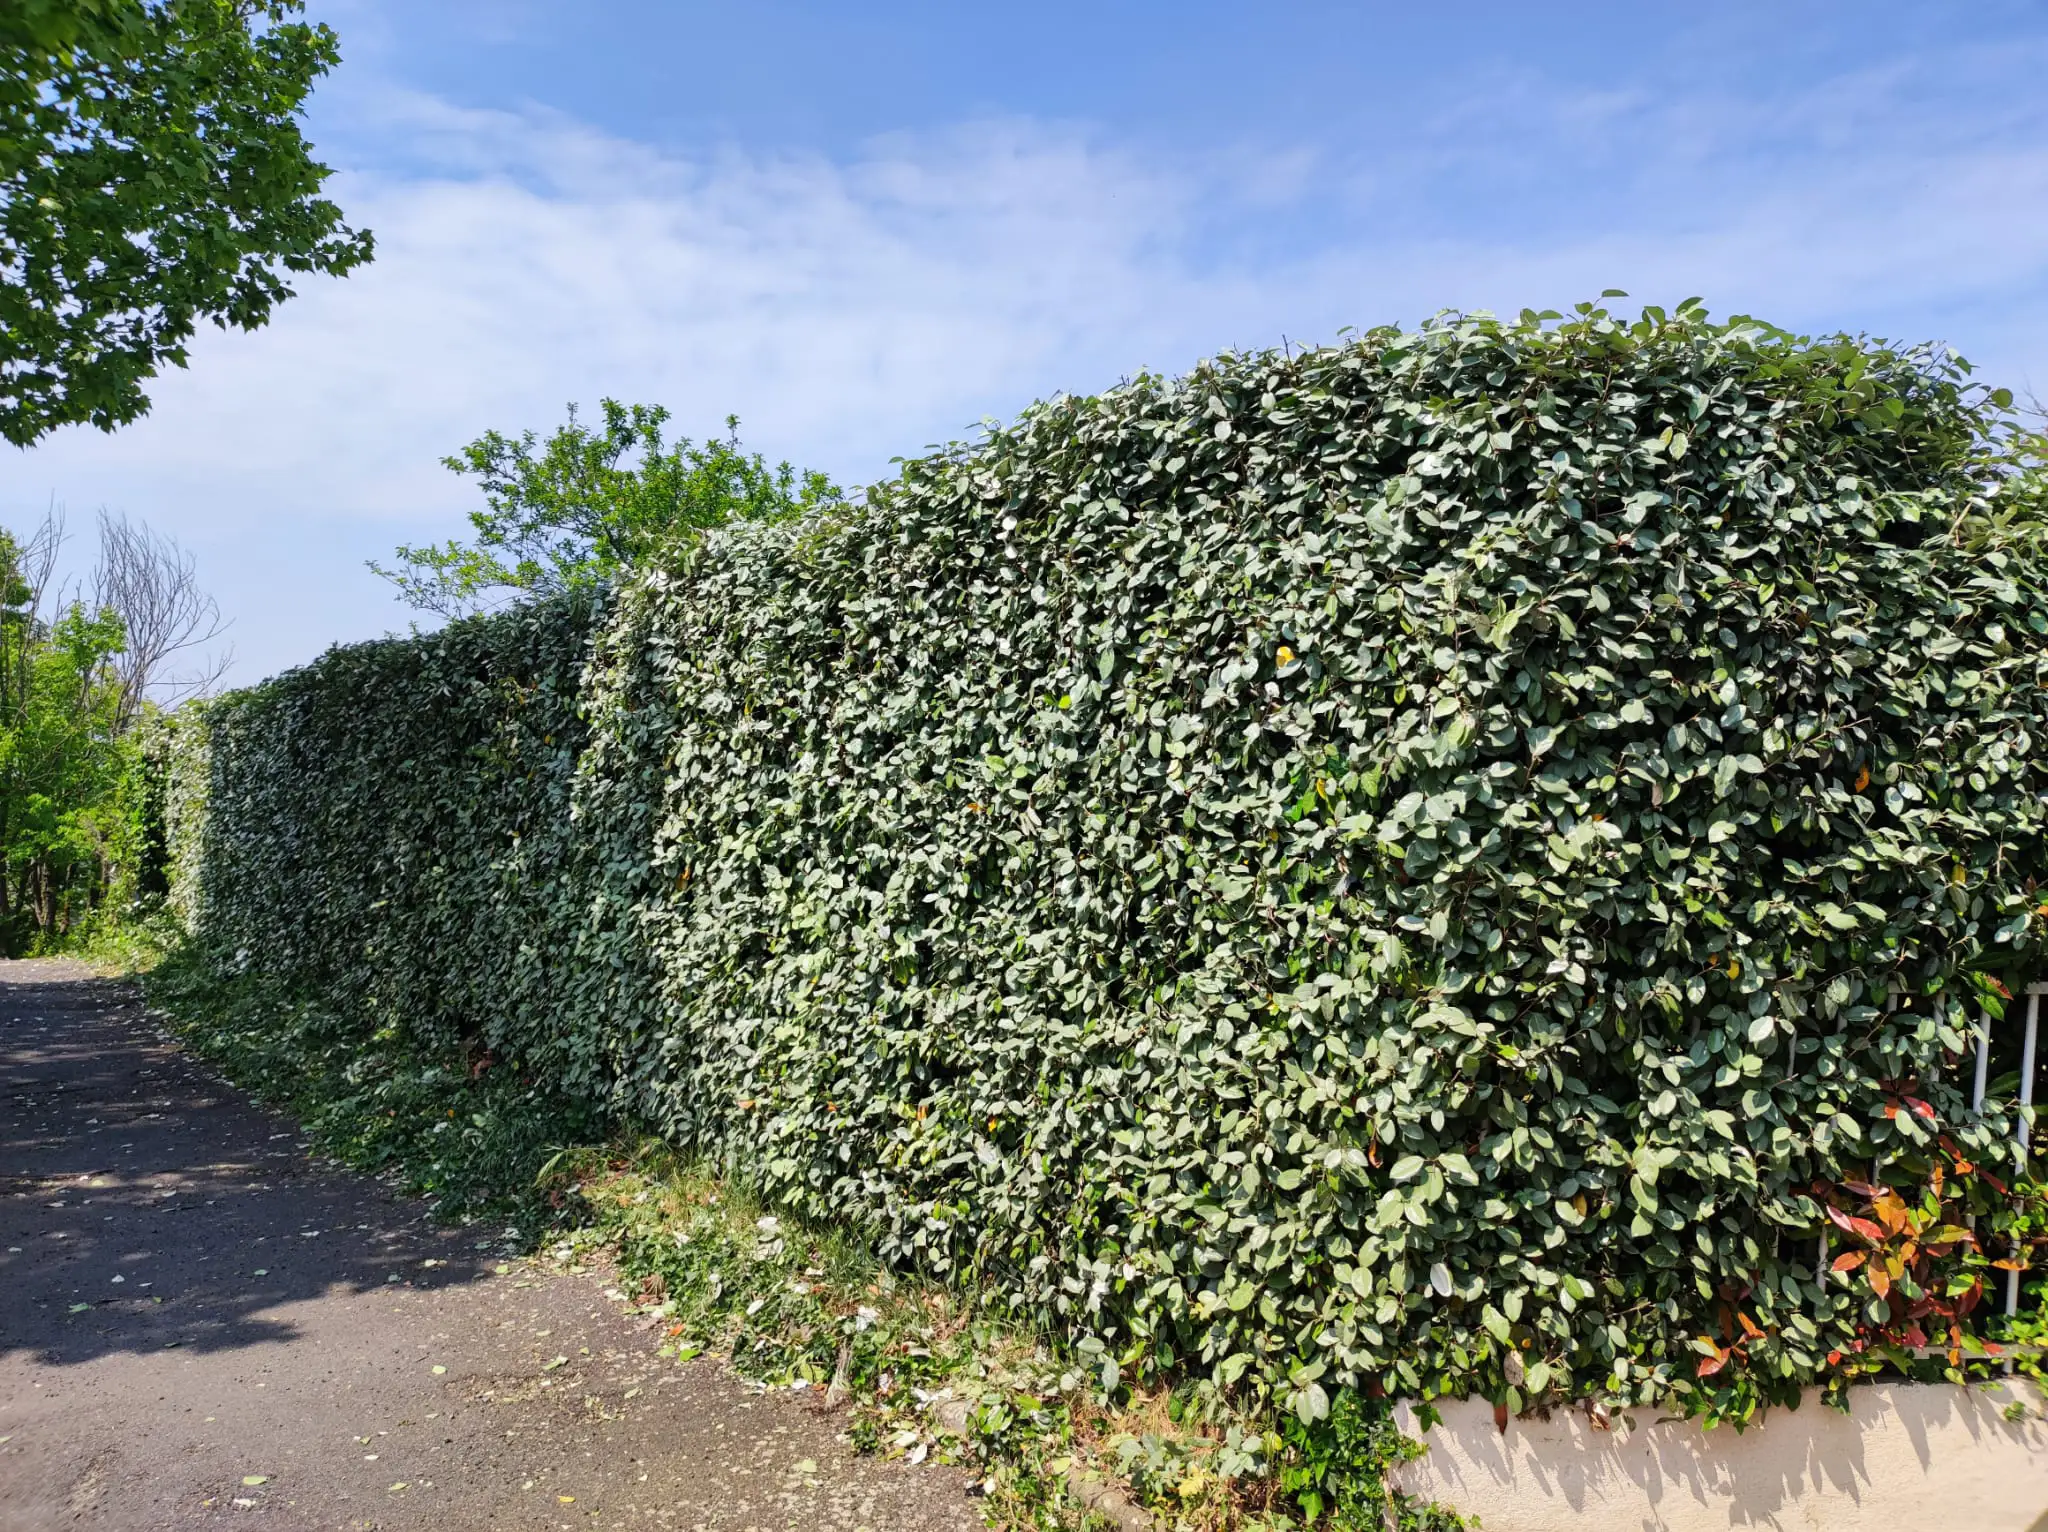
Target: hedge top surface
(1427,864)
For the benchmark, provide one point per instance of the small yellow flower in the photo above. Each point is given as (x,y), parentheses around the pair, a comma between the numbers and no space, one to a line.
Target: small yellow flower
(1284,657)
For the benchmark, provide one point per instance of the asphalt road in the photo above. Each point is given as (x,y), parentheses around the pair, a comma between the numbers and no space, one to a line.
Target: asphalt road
(201,1326)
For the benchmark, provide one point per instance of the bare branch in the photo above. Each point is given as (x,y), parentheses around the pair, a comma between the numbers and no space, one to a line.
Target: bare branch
(153,585)
(35,559)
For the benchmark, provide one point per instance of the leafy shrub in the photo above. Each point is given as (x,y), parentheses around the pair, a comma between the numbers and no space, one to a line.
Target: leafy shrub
(409,800)
(1422,866)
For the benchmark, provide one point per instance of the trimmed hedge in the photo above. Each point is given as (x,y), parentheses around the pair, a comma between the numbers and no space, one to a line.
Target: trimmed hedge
(1428,864)
(391,826)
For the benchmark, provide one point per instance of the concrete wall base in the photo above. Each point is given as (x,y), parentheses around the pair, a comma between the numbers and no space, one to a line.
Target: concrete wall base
(1906,1456)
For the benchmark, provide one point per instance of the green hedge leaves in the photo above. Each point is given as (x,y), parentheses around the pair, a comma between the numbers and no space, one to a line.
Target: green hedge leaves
(1415,865)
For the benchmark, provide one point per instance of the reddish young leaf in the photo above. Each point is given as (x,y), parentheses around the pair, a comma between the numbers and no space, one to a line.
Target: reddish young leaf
(1859,1226)
(1849,1261)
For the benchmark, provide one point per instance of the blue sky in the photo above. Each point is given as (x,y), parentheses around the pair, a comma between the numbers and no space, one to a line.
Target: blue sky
(865,227)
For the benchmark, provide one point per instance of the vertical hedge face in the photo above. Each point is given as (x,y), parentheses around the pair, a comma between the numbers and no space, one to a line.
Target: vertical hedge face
(1334,869)
(390,825)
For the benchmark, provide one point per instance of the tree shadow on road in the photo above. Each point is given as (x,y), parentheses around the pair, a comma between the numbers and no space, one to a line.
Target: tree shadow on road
(146,1206)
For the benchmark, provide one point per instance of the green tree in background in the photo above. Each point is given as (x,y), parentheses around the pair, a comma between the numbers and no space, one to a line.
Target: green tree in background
(66,774)
(84,671)
(152,174)
(591,501)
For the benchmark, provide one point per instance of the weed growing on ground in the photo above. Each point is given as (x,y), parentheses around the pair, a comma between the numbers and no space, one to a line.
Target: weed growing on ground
(473,1140)
(926,1373)
(1058,1439)
(130,946)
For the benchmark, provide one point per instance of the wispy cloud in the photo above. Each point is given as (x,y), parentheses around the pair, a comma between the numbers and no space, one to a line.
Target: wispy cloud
(855,308)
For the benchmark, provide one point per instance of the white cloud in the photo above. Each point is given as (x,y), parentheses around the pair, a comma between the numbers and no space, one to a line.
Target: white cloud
(837,308)
(849,311)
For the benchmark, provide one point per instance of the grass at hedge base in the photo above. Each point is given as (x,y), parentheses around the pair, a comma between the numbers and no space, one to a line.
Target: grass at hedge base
(804,1306)
(473,1141)
(784,1302)
(1428,866)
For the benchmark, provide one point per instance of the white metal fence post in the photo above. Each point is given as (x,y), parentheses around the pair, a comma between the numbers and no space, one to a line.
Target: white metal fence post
(1983,1059)
(2026,1135)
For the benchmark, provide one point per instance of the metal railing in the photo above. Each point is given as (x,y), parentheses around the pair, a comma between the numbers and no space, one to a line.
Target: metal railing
(2023,1138)
(2034,993)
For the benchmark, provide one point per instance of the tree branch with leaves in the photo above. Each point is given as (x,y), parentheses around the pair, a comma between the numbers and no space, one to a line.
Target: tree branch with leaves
(152,174)
(591,501)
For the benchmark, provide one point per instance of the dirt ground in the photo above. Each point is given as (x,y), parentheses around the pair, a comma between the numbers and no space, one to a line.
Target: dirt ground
(199,1325)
